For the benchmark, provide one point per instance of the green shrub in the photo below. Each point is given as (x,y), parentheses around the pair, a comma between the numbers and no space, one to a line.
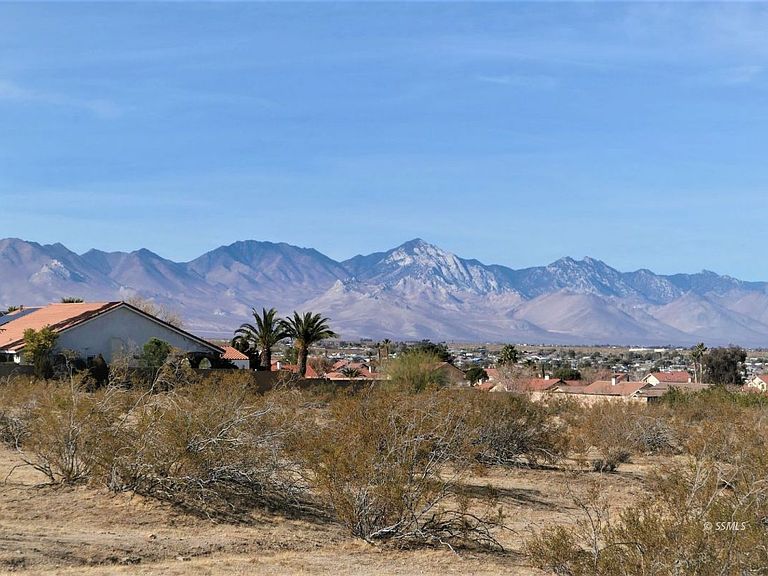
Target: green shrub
(415,370)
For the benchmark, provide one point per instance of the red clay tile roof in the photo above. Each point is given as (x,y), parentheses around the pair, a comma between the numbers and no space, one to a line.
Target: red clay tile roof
(679,376)
(231,353)
(605,387)
(576,383)
(538,384)
(294,368)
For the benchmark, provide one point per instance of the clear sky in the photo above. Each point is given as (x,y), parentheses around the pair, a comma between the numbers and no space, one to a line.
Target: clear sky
(512,133)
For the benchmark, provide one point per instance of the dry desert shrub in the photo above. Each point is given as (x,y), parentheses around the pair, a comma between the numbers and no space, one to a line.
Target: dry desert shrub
(512,430)
(390,464)
(703,513)
(217,450)
(617,430)
(18,396)
(62,429)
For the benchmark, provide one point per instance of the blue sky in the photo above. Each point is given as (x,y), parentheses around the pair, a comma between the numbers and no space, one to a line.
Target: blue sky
(512,133)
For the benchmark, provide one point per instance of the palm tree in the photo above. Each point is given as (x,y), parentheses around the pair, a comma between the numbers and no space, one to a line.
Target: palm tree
(267,332)
(306,330)
(350,372)
(384,348)
(697,354)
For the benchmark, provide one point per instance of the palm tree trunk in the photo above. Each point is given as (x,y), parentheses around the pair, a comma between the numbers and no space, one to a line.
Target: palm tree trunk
(303,352)
(265,360)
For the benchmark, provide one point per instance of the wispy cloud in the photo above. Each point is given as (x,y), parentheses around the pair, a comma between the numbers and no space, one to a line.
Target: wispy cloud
(520,81)
(742,74)
(99,107)
(733,76)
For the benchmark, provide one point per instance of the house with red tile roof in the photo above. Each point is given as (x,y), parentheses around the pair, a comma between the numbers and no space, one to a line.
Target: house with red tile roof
(653,393)
(280,366)
(679,377)
(613,388)
(355,371)
(536,384)
(112,329)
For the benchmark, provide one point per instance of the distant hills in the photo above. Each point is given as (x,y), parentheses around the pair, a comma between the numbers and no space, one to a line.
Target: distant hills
(413,291)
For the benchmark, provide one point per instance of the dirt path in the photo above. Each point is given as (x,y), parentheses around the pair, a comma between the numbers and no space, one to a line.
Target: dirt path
(82,530)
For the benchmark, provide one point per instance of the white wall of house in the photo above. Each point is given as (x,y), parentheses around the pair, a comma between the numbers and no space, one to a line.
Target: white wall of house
(758,383)
(121,332)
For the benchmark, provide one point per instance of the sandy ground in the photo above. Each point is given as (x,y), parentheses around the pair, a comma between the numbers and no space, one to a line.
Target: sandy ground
(83,530)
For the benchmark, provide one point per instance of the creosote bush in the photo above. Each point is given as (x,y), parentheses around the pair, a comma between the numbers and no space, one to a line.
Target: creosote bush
(216,450)
(512,429)
(616,431)
(391,464)
(208,447)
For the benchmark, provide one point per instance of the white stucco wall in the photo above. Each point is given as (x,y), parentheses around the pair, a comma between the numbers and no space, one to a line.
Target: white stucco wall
(118,332)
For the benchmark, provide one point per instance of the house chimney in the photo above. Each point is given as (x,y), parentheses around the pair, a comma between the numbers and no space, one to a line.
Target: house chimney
(614,379)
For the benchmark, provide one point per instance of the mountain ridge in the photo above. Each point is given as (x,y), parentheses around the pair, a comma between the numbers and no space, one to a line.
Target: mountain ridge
(414,290)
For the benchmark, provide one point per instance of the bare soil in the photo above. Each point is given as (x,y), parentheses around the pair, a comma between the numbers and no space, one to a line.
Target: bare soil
(48,529)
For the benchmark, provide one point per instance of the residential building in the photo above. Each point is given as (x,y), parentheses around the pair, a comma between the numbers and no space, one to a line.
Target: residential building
(112,329)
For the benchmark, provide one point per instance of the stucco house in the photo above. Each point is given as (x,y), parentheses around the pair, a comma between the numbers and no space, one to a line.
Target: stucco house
(112,329)
(759,381)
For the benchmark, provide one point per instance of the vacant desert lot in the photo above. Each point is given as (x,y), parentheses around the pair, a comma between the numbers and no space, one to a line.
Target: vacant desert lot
(82,530)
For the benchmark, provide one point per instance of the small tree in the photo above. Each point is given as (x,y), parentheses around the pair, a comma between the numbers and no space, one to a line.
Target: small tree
(476,374)
(567,373)
(99,370)
(415,371)
(509,355)
(71,300)
(439,350)
(38,350)
(725,365)
(154,353)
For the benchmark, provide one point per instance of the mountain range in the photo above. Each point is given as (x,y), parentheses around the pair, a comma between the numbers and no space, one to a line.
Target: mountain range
(410,292)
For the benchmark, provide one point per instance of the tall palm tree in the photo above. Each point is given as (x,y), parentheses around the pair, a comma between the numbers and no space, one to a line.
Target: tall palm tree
(697,354)
(306,330)
(267,332)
